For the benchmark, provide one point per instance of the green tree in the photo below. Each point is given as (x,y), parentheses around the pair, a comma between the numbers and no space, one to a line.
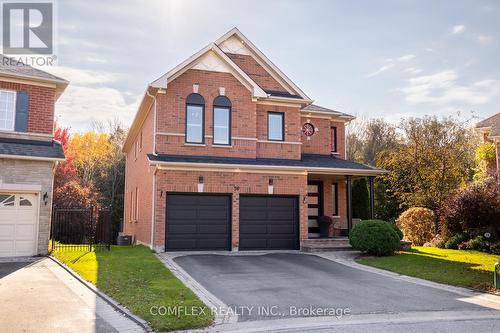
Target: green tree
(485,159)
(435,158)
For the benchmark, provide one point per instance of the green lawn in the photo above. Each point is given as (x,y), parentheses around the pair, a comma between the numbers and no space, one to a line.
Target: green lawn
(455,267)
(134,277)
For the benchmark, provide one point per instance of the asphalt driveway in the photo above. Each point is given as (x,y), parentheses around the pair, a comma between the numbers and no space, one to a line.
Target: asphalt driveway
(280,285)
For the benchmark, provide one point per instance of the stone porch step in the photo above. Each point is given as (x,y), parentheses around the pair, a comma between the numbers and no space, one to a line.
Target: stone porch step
(326,244)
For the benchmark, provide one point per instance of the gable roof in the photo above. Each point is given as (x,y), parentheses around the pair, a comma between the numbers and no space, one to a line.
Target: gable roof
(162,81)
(273,70)
(492,123)
(10,67)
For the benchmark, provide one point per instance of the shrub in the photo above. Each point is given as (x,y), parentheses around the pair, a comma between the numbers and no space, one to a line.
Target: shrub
(417,224)
(397,230)
(375,237)
(495,248)
(478,244)
(473,210)
(437,241)
(454,241)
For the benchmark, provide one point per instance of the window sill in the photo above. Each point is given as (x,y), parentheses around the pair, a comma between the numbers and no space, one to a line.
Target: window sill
(222,146)
(195,144)
(335,153)
(336,216)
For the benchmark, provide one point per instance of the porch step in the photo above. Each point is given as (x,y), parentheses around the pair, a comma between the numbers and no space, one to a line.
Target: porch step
(326,244)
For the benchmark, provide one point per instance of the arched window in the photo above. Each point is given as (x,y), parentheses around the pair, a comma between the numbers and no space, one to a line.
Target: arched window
(222,121)
(195,118)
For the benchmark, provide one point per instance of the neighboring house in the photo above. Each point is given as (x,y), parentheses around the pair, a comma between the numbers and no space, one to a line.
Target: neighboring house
(28,155)
(226,152)
(490,130)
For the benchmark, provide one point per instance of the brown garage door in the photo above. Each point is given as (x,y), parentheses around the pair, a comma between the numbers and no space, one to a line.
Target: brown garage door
(198,222)
(269,223)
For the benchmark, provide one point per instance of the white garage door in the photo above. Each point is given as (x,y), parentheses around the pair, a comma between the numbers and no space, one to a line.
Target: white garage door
(18,224)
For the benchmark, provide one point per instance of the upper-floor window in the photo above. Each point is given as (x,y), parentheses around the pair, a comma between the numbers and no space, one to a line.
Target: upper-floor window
(195,118)
(222,121)
(275,126)
(334,139)
(7,110)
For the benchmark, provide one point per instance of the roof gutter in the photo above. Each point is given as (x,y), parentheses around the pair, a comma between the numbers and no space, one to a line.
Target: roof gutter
(276,168)
(32,158)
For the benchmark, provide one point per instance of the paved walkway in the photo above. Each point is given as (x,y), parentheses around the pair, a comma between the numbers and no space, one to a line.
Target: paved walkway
(41,296)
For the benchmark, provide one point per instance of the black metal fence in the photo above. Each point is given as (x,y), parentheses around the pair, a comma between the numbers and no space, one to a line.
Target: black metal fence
(81,228)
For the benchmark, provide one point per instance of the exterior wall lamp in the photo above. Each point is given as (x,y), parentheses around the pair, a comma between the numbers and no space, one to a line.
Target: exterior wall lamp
(270,187)
(200,184)
(45,198)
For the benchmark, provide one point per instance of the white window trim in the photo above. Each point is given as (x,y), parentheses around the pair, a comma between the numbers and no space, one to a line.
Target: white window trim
(14,111)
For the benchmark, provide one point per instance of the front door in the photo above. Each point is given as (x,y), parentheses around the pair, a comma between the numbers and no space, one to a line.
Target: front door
(314,206)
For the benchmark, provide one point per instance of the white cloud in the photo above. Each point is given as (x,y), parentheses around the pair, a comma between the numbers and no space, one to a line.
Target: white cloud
(483,39)
(407,57)
(79,106)
(82,76)
(458,29)
(442,89)
(381,70)
(412,70)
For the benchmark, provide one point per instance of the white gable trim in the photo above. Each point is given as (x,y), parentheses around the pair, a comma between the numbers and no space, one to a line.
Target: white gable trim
(192,61)
(274,71)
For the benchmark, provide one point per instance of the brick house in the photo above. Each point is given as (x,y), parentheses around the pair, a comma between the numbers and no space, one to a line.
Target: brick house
(227,153)
(490,131)
(28,156)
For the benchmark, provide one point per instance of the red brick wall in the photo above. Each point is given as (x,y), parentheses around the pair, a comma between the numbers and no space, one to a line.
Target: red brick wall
(171,115)
(138,174)
(320,142)
(291,149)
(256,72)
(226,182)
(41,106)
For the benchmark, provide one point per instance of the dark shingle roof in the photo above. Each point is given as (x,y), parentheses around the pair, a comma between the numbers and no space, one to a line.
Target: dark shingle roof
(307,160)
(317,108)
(276,93)
(31,148)
(10,66)
(493,122)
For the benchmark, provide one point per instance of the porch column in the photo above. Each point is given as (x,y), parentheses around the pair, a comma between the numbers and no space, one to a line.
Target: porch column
(372,197)
(349,202)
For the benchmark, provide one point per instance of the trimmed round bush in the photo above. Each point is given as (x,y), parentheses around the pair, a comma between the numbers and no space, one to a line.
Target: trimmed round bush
(375,237)
(417,224)
(397,230)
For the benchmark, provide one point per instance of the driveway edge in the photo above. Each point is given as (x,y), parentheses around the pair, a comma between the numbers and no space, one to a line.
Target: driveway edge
(124,311)
(350,262)
(205,296)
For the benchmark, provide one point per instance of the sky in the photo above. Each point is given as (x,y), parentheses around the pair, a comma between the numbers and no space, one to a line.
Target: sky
(374,59)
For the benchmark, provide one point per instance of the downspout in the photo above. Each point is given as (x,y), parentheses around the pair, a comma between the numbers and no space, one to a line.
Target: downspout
(153,196)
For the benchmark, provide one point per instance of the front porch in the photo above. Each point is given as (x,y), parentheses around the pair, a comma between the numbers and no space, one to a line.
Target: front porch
(331,195)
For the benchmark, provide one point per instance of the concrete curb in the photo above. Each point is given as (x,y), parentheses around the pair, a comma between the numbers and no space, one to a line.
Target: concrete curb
(139,321)
(205,296)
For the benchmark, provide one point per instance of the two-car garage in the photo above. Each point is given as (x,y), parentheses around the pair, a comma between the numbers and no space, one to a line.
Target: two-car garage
(199,222)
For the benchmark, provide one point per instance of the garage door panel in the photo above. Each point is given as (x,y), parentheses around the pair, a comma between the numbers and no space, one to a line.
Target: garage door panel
(181,213)
(281,229)
(7,231)
(18,224)
(181,229)
(214,229)
(253,229)
(268,222)
(197,222)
